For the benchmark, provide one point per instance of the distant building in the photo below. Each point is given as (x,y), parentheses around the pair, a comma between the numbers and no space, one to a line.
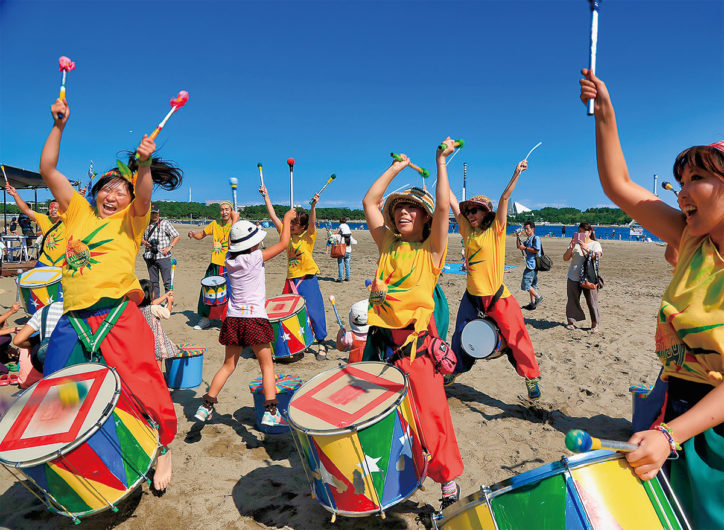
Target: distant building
(515,208)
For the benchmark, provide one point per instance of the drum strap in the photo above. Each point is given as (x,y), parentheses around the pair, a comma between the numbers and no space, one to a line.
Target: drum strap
(496,297)
(45,236)
(92,341)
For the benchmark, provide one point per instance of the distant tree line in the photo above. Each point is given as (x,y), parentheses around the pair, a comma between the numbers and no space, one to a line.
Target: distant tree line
(571,216)
(197,210)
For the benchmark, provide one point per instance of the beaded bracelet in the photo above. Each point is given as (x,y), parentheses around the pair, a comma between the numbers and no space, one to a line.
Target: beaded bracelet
(145,163)
(669,433)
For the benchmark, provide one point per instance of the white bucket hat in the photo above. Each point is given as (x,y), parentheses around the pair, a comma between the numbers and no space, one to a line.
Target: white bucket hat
(244,235)
(358,317)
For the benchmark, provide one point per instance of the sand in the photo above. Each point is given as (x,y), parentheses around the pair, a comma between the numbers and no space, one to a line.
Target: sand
(227,474)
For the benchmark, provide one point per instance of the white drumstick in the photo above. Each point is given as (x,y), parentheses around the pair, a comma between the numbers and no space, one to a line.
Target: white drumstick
(536,146)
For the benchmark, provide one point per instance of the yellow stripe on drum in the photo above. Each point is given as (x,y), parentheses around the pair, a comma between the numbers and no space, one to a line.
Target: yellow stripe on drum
(144,435)
(618,493)
(477,518)
(345,451)
(406,409)
(94,494)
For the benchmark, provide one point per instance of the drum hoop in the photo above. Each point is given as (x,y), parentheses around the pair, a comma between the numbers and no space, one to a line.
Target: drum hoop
(83,437)
(290,315)
(38,284)
(477,498)
(495,353)
(215,284)
(355,427)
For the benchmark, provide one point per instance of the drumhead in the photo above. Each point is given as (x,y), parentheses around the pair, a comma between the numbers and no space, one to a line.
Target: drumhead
(348,396)
(284,306)
(479,338)
(213,281)
(38,427)
(40,276)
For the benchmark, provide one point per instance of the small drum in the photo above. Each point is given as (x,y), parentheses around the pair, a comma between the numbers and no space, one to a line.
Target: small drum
(481,339)
(214,290)
(292,330)
(356,433)
(593,490)
(185,370)
(40,287)
(85,455)
(286,386)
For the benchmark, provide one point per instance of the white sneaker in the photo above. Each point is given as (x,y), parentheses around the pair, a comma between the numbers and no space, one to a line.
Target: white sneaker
(203,413)
(274,420)
(203,323)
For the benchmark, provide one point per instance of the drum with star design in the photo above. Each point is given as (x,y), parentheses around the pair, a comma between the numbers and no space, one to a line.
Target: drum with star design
(292,329)
(360,444)
(84,454)
(40,287)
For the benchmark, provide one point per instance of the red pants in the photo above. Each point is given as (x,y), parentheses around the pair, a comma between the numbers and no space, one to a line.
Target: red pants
(438,433)
(509,317)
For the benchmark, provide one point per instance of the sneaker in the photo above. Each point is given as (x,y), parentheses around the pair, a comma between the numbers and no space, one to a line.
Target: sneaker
(448,500)
(346,279)
(533,388)
(537,301)
(529,307)
(203,413)
(449,379)
(272,420)
(203,323)
(338,280)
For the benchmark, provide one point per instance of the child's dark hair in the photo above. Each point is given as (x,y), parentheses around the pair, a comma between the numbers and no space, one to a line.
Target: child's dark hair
(302,218)
(587,226)
(529,223)
(701,156)
(164,174)
(233,255)
(147,292)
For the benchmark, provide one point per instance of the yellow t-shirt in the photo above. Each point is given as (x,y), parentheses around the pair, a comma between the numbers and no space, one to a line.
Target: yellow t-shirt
(299,255)
(53,251)
(690,324)
(100,255)
(401,294)
(485,258)
(220,235)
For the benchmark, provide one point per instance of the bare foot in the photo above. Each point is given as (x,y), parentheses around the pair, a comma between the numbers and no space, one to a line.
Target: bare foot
(162,476)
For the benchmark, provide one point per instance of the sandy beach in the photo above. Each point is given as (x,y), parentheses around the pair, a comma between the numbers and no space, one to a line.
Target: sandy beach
(229,475)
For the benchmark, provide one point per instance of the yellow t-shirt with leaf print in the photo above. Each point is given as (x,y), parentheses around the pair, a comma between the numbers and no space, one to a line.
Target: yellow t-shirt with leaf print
(53,251)
(100,255)
(300,261)
(402,292)
(690,323)
(220,236)
(485,258)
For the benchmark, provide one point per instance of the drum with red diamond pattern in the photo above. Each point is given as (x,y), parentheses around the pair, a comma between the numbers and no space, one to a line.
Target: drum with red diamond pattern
(356,431)
(292,328)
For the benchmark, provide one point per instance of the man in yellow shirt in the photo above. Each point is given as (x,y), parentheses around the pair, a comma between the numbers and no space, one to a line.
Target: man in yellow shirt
(219,232)
(52,249)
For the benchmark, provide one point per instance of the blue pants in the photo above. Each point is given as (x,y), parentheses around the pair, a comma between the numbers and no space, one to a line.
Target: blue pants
(343,264)
(308,288)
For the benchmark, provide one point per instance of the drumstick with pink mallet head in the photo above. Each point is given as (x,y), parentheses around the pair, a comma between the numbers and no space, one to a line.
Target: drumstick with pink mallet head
(333,301)
(176,103)
(66,65)
(290,163)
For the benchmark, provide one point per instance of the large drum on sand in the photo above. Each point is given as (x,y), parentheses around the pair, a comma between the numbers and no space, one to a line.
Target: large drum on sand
(86,453)
(356,431)
(40,287)
(596,490)
(292,330)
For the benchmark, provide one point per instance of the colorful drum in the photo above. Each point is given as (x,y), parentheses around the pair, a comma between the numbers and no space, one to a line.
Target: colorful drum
(185,370)
(84,454)
(214,290)
(593,490)
(292,329)
(286,386)
(481,339)
(40,287)
(356,431)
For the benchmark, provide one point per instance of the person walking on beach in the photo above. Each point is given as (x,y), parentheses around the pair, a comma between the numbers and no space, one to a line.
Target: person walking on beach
(159,238)
(411,235)
(484,233)
(345,233)
(219,232)
(690,321)
(583,246)
(531,247)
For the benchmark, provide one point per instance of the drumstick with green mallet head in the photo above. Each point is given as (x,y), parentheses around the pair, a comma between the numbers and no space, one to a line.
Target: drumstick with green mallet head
(424,173)
(333,301)
(580,441)
(459,143)
(173,272)
(329,181)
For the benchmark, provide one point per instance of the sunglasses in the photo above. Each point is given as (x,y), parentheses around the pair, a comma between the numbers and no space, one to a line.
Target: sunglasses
(474,210)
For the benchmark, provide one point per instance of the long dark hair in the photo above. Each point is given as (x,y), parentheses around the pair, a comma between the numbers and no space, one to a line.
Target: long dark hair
(147,289)
(164,174)
(587,226)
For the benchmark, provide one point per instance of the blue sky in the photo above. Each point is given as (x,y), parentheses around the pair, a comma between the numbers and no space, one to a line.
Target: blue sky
(339,84)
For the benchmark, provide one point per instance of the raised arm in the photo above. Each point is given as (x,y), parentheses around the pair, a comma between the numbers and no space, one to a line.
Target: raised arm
(373,198)
(144,181)
(638,202)
(283,243)
(21,204)
(58,184)
(312,228)
(270,209)
(441,216)
(455,207)
(502,213)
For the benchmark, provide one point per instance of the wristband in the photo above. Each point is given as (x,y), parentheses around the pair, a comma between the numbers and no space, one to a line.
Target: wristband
(145,163)
(669,433)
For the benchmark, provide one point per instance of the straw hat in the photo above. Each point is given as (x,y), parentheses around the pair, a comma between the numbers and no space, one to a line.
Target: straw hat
(244,235)
(418,196)
(477,200)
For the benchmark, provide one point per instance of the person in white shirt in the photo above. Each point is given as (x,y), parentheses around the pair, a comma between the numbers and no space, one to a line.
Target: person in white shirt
(583,244)
(345,233)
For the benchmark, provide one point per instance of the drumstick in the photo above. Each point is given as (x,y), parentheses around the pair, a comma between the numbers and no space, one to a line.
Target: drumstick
(580,441)
(290,162)
(173,271)
(665,185)
(457,143)
(334,306)
(261,175)
(330,179)
(424,173)
(66,65)
(176,103)
(536,146)
(234,183)
(594,43)
(4,175)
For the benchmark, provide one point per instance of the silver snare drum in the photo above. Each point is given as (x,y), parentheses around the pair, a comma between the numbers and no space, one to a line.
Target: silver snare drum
(481,339)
